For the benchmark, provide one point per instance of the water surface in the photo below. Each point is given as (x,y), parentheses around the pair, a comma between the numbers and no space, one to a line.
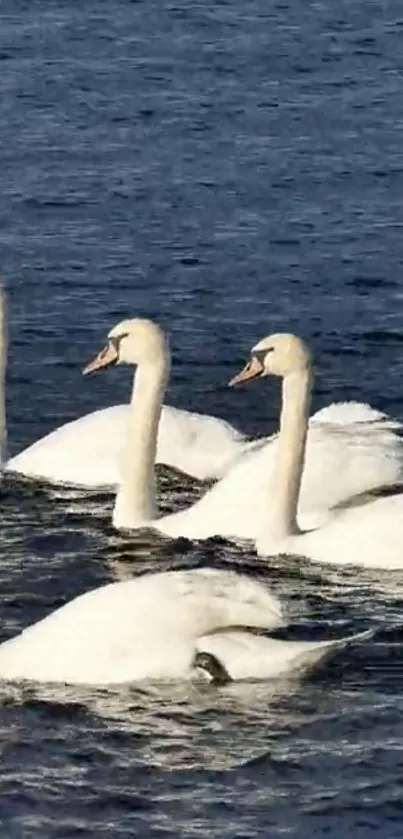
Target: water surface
(232,170)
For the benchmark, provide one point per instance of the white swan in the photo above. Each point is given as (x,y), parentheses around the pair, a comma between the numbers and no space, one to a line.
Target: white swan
(344,460)
(88,451)
(368,533)
(153,627)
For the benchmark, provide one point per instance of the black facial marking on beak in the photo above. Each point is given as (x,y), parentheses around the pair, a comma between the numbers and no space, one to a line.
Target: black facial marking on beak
(107,357)
(115,340)
(261,354)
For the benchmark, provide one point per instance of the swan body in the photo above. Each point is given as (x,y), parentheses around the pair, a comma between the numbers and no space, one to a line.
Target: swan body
(343,461)
(369,535)
(88,451)
(369,532)
(257,657)
(344,458)
(151,627)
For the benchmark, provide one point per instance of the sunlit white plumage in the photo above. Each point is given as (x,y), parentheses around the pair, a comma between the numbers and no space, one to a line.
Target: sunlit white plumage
(88,451)
(354,412)
(368,532)
(248,656)
(151,627)
(344,459)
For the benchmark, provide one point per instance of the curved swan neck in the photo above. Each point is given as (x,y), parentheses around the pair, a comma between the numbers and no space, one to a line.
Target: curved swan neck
(135,500)
(3,371)
(290,455)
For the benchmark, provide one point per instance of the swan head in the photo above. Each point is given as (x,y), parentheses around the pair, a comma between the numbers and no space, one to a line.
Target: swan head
(276,355)
(136,341)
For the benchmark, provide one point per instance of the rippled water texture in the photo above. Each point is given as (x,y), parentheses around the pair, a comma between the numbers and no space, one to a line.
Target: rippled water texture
(232,169)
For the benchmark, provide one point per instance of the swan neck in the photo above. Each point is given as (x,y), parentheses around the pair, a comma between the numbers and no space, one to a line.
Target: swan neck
(291,444)
(136,497)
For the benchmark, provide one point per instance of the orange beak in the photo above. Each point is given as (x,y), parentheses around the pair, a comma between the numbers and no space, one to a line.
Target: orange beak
(109,355)
(252,370)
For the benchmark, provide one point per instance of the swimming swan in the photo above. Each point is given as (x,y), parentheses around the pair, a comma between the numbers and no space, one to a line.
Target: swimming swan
(344,460)
(88,451)
(368,533)
(155,627)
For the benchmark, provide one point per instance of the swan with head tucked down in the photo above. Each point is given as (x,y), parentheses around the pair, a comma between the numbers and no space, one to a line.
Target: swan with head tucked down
(343,461)
(367,533)
(88,452)
(162,627)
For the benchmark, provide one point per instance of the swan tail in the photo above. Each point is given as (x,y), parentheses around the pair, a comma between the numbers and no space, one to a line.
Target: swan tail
(243,655)
(305,655)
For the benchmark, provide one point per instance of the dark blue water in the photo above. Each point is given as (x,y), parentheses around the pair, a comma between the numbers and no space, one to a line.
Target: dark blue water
(230,169)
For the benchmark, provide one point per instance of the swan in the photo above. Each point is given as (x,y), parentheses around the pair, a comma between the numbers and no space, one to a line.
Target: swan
(368,533)
(88,452)
(162,626)
(344,459)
